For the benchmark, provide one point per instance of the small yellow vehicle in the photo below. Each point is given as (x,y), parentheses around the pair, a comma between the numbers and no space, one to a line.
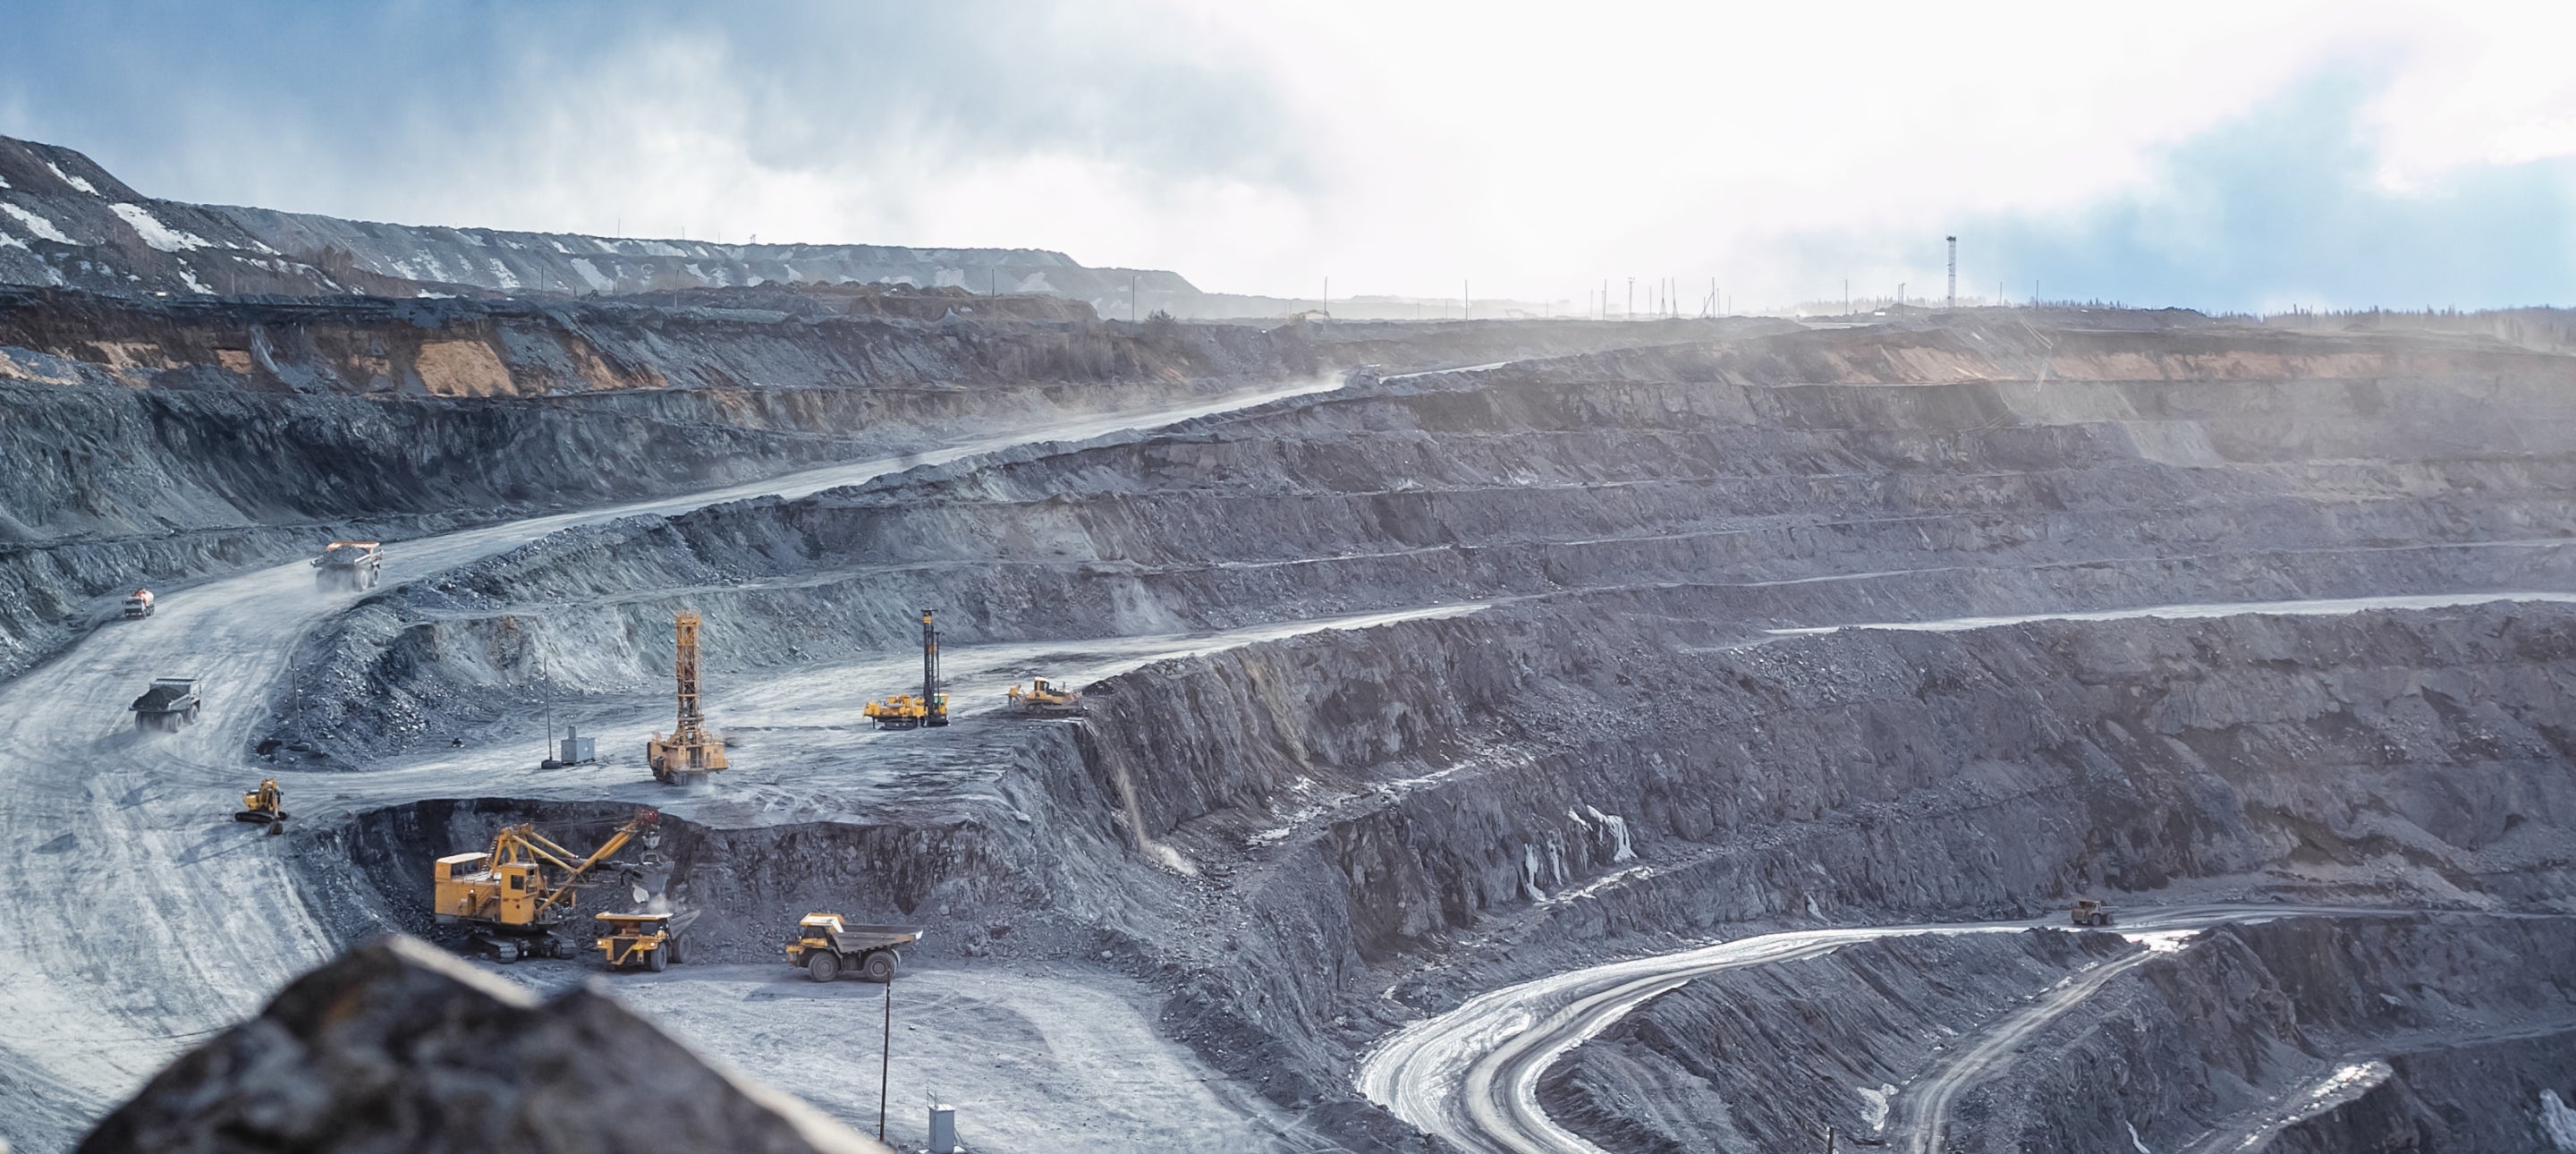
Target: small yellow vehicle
(1044,698)
(653,941)
(2091,912)
(265,805)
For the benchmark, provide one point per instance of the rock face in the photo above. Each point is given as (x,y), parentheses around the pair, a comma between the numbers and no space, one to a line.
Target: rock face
(397,1047)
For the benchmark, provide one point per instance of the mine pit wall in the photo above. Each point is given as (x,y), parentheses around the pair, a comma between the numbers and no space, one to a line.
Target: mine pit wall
(1039,848)
(2235,1027)
(2513,1094)
(2384,757)
(1921,500)
(156,442)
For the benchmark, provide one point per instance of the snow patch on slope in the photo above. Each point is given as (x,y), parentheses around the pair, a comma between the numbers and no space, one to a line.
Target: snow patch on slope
(44,229)
(590,275)
(155,233)
(71,180)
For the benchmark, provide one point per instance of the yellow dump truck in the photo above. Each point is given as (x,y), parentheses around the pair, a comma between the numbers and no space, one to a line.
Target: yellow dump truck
(825,947)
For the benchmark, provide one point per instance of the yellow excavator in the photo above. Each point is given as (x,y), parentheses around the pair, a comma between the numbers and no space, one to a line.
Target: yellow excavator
(1044,698)
(903,710)
(265,805)
(690,753)
(517,892)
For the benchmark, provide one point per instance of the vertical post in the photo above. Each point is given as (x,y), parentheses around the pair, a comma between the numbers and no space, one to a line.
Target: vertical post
(1954,270)
(1131,299)
(1631,314)
(546,687)
(885,1061)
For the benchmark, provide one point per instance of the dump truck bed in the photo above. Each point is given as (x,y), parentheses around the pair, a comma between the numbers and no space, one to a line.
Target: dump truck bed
(853,939)
(166,696)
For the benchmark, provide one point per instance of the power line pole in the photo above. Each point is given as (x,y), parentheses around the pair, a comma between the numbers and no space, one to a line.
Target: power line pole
(885,1060)
(1631,314)
(1463,298)
(1954,270)
(1131,298)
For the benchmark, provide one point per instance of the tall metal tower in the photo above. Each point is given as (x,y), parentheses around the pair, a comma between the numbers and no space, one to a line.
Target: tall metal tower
(1954,270)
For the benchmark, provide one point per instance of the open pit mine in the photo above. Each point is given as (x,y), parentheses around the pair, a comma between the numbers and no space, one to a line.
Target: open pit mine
(783,699)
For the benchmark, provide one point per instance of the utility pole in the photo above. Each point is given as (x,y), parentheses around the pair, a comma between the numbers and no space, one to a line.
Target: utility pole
(1325,306)
(1846,296)
(1631,314)
(1954,270)
(885,1061)
(1463,298)
(1131,299)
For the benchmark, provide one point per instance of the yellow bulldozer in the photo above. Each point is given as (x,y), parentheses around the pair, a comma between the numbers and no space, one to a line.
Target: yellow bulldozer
(517,892)
(1044,698)
(905,711)
(265,805)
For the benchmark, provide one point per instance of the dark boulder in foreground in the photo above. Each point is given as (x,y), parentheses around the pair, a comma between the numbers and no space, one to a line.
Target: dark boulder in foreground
(396,1046)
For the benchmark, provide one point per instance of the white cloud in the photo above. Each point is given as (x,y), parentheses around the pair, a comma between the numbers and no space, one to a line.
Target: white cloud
(1533,149)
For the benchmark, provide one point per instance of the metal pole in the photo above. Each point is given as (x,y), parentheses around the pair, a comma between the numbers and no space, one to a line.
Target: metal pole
(1131,300)
(885,1061)
(1954,270)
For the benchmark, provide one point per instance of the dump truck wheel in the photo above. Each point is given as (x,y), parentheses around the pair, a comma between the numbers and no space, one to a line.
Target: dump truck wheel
(879,966)
(658,960)
(678,948)
(822,966)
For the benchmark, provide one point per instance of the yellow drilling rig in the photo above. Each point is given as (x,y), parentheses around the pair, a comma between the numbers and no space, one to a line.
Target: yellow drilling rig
(517,892)
(903,710)
(690,753)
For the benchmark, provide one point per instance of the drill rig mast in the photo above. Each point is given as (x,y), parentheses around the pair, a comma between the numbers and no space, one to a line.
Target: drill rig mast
(690,753)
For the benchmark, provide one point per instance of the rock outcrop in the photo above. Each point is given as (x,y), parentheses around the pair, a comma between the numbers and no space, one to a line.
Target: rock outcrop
(398,1047)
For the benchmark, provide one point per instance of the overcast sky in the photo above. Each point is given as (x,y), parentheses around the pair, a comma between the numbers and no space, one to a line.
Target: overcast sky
(2231,155)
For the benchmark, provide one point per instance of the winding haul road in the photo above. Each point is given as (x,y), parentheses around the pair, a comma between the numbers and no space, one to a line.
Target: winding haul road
(136,917)
(1471,1075)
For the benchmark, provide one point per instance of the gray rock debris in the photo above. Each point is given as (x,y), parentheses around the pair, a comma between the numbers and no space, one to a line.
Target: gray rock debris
(397,1046)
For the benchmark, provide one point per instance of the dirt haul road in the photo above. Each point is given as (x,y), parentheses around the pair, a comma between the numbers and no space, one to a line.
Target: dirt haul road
(1471,1075)
(138,917)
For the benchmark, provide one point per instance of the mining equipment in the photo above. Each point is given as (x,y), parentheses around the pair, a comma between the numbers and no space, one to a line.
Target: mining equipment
(1045,698)
(690,753)
(825,947)
(355,565)
(2091,912)
(169,704)
(138,605)
(903,710)
(517,892)
(654,941)
(265,805)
